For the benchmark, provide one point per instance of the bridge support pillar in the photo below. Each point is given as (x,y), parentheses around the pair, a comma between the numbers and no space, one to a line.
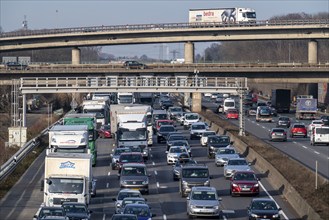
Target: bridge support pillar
(187,99)
(196,102)
(312,52)
(189,52)
(76,55)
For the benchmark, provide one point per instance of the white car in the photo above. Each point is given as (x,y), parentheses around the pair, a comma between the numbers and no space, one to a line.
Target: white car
(174,152)
(314,123)
(190,118)
(204,137)
(224,154)
(197,129)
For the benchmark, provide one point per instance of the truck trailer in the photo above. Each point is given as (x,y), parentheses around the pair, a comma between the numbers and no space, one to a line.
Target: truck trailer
(306,107)
(222,15)
(281,100)
(68,178)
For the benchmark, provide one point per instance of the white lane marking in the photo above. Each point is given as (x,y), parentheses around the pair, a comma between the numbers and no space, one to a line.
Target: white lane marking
(104,216)
(316,152)
(163,187)
(304,146)
(153,163)
(253,122)
(109,173)
(164,217)
(282,213)
(155,172)
(151,155)
(294,142)
(158,185)
(263,127)
(257,124)
(107,185)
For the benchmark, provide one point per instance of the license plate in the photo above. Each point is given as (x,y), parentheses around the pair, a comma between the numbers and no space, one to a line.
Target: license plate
(245,189)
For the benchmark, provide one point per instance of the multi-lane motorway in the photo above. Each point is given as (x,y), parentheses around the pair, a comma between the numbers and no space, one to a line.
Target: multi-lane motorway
(24,199)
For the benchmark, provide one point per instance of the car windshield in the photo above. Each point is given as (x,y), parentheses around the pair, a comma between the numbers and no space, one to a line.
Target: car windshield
(176,137)
(167,129)
(206,134)
(133,171)
(195,173)
(51,212)
(176,109)
(264,205)
(237,162)
(164,123)
(131,158)
(191,116)
(132,201)
(65,185)
(126,135)
(177,150)
(278,130)
(317,122)
(283,119)
(123,195)
(74,208)
(136,210)
(244,176)
(203,195)
(226,151)
(118,151)
(179,143)
(198,127)
(219,140)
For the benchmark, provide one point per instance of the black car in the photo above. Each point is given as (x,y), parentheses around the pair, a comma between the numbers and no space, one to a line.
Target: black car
(325,119)
(132,64)
(263,208)
(76,210)
(166,104)
(163,131)
(215,142)
(283,121)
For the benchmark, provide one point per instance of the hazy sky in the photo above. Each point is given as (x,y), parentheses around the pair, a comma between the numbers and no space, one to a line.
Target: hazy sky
(74,13)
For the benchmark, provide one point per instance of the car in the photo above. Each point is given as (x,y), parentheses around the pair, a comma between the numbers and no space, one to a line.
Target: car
(244,183)
(142,211)
(235,164)
(252,111)
(203,201)
(215,142)
(163,132)
(132,64)
(325,119)
(116,155)
(314,123)
(175,112)
(175,136)
(319,135)
(177,167)
(283,121)
(124,217)
(166,104)
(50,217)
(277,134)
(16,66)
(274,112)
(232,114)
(224,154)
(204,137)
(130,157)
(263,208)
(131,200)
(180,143)
(76,210)
(158,115)
(298,129)
(174,152)
(49,211)
(159,123)
(134,176)
(189,118)
(196,130)
(124,193)
(193,175)
(105,131)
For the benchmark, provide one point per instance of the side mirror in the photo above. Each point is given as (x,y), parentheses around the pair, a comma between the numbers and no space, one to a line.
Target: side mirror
(167,151)
(220,199)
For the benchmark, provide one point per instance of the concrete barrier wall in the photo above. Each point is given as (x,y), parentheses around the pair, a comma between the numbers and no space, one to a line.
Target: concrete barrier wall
(274,177)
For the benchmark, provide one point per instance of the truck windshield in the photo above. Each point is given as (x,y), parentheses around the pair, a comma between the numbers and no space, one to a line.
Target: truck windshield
(195,173)
(126,99)
(60,185)
(126,135)
(251,14)
(99,112)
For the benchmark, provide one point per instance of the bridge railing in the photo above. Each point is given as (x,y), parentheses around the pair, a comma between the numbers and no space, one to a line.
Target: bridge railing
(164,26)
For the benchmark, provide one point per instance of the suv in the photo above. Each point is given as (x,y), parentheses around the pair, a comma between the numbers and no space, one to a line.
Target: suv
(163,131)
(175,112)
(134,176)
(244,182)
(132,64)
(193,175)
(203,201)
(197,130)
(298,130)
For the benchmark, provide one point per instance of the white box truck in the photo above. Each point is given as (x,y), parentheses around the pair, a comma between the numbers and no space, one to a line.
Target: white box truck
(68,178)
(100,107)
(68,139)
(222,15)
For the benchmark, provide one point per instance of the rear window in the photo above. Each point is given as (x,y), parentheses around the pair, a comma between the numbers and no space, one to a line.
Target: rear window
(278,130)
(299,126)
(322,130)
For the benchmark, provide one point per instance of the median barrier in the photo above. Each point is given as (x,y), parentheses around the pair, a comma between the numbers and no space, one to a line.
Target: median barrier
(267,170)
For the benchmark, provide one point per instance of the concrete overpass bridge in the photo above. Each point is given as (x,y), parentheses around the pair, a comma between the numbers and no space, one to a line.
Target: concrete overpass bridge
(167,33)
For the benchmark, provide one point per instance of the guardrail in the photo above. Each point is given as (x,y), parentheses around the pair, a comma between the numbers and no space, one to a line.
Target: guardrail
(164,26)
(9,166)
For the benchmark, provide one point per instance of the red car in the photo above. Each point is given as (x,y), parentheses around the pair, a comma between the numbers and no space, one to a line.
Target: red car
(232,114)
(105,131)
(298,130)
(244,182)
(163,122)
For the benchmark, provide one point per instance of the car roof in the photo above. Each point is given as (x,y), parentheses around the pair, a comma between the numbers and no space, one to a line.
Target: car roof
(204,188)
(245,171)
(134,165)
(74,203)
(196,166)
(198,123)
(262,199)
(138,205)
(131,153)
(129,190)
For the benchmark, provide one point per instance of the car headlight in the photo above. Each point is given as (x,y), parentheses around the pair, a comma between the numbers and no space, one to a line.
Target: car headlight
(216,207)
(275,216)
(145,182)
(212,148)
(234,185)
(159,134)
(254,215)
(118,205)
(207,183)
(184,183)
(193,206)
(256,185)
(123,182)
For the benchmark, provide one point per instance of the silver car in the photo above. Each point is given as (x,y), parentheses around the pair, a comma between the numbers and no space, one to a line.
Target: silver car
(203,201)
(278,134)
(224,154)
(235,164)
(124,193)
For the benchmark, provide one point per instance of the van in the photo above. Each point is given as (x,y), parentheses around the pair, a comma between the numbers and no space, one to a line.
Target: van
(319,135)
(228,104)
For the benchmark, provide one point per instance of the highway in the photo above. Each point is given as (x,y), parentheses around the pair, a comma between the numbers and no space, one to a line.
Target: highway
(23,200)
(297,147)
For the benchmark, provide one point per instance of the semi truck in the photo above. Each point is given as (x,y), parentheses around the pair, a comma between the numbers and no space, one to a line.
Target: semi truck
(222,15)
(69,139)
(125,98)
(90,121)
(146,98)
(263,113)
(281,100)
(68,178)
(306,107)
